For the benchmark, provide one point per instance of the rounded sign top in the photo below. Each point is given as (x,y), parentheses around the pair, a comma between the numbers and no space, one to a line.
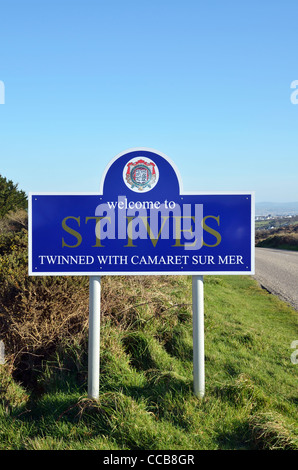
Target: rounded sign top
(138,171)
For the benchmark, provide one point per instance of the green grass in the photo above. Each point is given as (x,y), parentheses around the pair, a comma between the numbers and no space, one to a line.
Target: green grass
(146,388)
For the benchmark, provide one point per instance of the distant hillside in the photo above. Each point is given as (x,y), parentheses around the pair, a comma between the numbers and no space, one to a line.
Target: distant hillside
(277,208)
(283,237)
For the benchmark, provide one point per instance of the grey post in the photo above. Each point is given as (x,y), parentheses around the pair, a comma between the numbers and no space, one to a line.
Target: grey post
(94,337)
(198,335)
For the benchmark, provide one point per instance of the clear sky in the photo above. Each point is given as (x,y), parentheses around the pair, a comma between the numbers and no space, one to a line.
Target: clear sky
(205,82)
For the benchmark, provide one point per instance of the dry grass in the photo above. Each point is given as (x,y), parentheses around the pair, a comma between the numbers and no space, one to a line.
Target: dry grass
(126,295)
(270,431)
(14,221)
(36,313)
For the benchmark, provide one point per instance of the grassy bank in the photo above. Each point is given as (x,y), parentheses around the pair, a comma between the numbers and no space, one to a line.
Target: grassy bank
(285,238)
(146,399)
(280,242)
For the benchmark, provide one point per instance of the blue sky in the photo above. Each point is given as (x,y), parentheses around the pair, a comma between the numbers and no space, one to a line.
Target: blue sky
(206,83)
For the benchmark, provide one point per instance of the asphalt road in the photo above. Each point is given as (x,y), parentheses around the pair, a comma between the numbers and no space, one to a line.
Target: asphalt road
(277,271)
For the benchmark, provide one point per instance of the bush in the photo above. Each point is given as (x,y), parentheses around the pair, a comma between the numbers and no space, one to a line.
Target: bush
(11,198)
(36,312)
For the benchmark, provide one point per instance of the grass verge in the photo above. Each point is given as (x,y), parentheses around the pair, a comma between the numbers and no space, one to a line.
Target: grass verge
(146,399)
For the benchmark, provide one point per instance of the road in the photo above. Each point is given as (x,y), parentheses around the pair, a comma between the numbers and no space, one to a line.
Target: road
(277,271)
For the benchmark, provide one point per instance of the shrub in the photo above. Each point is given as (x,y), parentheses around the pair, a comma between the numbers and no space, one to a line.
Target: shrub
(36,312)
(11,198)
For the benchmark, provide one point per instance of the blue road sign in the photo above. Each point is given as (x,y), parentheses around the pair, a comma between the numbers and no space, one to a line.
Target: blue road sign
(141,222)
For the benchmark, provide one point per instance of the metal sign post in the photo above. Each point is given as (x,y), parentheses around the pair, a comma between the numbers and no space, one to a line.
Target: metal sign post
(94,337)
(198,335)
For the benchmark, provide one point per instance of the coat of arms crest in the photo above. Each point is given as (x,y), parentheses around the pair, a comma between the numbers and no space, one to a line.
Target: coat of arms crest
(140,174)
